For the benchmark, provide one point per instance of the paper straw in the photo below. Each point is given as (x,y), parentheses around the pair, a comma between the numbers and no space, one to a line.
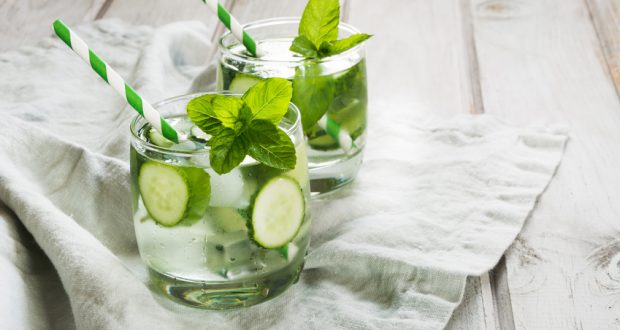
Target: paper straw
(113,79)
(233,26)
(337,133)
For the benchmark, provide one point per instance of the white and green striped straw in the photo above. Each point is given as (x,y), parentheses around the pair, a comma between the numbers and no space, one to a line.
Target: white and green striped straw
(233,26)
(337,133)
(108,74)
(331,127)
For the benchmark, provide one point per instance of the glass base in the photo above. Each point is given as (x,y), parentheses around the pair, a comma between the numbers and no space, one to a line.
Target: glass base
(225,294)
(328,175)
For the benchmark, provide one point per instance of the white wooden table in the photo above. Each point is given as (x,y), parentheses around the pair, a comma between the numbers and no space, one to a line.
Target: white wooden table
(523,60)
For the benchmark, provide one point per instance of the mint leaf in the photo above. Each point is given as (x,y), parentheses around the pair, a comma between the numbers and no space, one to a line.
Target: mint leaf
(200,111)
(227,150)
(318,31)
(329,48)
(227,109)
(245,117)
(246,126)
(269,99)
(270,145)
(212,112)
(200,185)
(312,93)
(304,47)
(319,21)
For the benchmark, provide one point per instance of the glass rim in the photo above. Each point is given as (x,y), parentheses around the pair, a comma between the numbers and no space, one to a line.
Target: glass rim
(284,20)
(169,151)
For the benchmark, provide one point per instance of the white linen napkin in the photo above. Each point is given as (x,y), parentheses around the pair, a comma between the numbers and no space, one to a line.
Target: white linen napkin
(436,200)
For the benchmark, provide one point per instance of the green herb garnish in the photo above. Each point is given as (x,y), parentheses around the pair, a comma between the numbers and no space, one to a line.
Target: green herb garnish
(318,31)
(246,126)
(313,91)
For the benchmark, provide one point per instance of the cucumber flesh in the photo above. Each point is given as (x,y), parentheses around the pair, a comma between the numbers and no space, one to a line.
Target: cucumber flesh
(171,194)
(323,142)
(278,212)
(242,82)
(228,220)
(165,192)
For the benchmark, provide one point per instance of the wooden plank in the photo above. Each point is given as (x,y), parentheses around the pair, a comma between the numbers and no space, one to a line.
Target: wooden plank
(159,12)
(541,60)
(501,296)
(416,57)
(477,310)
(605,15)
(23,22)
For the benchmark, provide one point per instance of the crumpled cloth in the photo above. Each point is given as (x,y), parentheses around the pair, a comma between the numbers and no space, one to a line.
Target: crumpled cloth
(436,200)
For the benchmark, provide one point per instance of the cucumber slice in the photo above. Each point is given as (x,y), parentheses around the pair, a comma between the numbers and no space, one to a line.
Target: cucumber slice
(242,82)
(165,192)
(228,220)
(323,142)
(171,194)
(278,212)
(158,139)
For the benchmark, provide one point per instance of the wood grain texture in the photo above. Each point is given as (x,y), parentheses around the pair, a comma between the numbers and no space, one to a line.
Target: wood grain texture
(476,311)
(476,105)
(159,12)
(418,55)
(605,15)
(23,22)
(502,301)
(541,61)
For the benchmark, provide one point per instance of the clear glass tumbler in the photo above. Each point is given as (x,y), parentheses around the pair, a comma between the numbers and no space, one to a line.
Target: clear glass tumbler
(196,229)
(331,94)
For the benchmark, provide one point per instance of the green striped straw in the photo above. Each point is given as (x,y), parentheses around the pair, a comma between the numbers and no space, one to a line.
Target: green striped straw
(114,79)
(233,25)
(331,127)
(337,133)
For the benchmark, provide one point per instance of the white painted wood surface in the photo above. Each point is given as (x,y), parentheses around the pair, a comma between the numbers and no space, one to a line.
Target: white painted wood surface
(542,60)
(157,12)
(524,60)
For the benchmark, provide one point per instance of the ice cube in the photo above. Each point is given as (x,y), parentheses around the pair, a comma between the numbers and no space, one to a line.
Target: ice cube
(172,249)
(230,190)
(229,220)
(271,260)
(228,250)
(184,146)
(197,134)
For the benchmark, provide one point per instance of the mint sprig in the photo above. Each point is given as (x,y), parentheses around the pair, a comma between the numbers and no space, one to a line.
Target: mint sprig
(246,126)
(313,91)
(318,31)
